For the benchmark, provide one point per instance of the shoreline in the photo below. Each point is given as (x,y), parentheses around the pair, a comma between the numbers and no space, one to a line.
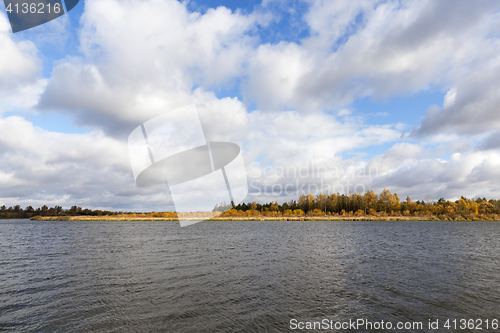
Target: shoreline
(260,218)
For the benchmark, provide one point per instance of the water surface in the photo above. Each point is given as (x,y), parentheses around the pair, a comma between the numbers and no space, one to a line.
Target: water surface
(243,276)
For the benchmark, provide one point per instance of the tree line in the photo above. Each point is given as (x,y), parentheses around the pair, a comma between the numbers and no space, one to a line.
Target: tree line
(17,212)
(369,203)
(353,204)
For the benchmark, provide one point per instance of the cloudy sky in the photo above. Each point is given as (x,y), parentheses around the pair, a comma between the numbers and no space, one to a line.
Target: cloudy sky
(336,94)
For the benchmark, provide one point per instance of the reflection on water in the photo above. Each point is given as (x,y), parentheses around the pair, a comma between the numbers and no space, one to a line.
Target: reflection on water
(242,276)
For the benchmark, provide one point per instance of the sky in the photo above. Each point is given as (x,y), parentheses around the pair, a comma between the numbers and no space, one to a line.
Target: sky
(321,96)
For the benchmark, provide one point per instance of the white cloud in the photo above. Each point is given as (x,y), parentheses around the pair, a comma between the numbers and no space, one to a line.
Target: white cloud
(20,67)
(284,137)
(470,107)
(467,174)
(143,58)
(40,167)
(406,169)
(360,48)
(19,61)
(491,142)
(450,98)
(400,155)
(275,71)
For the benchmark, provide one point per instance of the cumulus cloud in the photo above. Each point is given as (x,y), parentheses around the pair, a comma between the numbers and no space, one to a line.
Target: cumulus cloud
(19,61)
(292,136)
(20,66)
(143,58)
(292,153)
(491,142)
(274,75)
(41,167)
(487,170)
(471,107)
(135,52)
(467,174)
(407,169)
(365,48)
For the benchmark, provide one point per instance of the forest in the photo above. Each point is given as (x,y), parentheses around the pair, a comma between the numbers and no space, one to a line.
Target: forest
(372,204)
(17,212)
(369,203)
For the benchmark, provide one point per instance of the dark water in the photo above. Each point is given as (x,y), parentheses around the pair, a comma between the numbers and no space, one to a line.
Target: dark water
(244,276)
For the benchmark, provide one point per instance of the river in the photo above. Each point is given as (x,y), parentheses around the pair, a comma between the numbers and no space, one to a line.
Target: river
(246,276)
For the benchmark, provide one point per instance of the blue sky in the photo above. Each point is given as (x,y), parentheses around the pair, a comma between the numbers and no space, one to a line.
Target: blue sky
(406,88)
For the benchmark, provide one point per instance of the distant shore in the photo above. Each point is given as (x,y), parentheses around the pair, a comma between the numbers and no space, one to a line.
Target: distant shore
(260,218)
(324,207)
